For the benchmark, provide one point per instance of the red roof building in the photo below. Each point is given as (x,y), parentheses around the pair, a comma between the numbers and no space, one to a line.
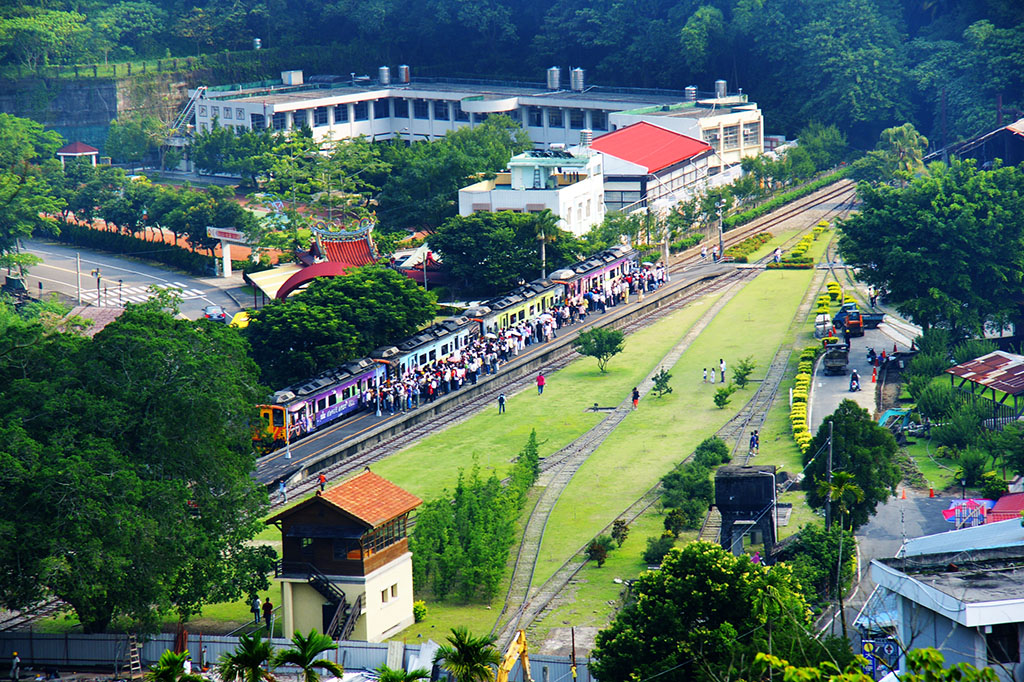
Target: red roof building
(77,149)
(645,163)
(1007,507)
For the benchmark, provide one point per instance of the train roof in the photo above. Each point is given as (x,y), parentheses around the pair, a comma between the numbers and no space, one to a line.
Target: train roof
(323,381)
(423,337)
(594,262)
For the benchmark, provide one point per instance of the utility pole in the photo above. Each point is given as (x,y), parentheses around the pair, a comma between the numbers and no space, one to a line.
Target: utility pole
(78,276)
(828,470)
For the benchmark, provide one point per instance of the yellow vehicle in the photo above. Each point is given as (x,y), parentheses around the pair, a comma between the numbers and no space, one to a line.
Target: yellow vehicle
(240,320)
(516,651)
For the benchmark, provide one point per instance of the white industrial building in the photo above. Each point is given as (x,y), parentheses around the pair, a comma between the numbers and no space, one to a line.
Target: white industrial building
(420,108)
(569,184)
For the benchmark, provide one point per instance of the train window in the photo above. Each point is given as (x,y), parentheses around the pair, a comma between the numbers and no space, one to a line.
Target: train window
(433,355)
(278,417)
(522,315)
(423,358)
(321,404)
(444,349)
(332,399)
(266,417)
(346,393)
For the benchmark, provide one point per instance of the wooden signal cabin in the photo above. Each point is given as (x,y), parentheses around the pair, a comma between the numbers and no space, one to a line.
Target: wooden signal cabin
(346,568)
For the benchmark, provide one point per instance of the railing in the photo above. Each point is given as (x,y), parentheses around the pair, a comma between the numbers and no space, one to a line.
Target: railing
(353,616)
(311,573)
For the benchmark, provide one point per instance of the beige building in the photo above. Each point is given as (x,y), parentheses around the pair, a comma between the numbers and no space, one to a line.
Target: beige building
(346,568)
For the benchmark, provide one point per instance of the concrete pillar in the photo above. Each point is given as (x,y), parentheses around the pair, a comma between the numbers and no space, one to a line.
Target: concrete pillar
(225,250)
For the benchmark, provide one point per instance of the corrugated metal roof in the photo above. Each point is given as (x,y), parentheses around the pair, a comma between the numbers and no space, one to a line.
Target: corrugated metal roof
(999,370)
(650,146)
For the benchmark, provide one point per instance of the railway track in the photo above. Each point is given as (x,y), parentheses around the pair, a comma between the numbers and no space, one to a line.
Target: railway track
(13,620)
(533,605)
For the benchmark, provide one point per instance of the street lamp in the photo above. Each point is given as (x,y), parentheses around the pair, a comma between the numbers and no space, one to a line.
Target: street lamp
(99,279)
(120,301)
(287,437)
(721,231)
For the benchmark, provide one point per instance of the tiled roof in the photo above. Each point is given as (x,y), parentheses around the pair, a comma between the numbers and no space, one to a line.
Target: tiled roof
(650,146)
(371,498)
(99,316)
(351,252)
(999,370)
(78,148)
(1007,507)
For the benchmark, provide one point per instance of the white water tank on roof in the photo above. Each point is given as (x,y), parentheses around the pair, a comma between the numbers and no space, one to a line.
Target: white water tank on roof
(691,93)
(554,78)
(403,73)
(720,88)
(576,81)
(384,75)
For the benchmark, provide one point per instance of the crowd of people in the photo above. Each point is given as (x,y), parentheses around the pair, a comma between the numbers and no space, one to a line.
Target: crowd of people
(423,384)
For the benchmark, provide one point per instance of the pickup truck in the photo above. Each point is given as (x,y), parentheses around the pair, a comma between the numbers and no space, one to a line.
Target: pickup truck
(850,316)
(837,356)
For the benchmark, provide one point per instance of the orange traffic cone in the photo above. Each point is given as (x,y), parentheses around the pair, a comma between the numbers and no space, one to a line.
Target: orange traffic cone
(931,492)
(874,374)
(894,350)
(904,495)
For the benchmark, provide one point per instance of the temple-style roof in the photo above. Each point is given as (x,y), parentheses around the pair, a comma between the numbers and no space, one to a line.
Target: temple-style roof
(77,149)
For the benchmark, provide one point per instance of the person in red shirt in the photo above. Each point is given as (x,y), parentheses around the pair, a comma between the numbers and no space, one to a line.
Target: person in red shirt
(540,384)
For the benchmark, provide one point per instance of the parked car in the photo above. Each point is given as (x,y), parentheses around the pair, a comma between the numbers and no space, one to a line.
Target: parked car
(216,313)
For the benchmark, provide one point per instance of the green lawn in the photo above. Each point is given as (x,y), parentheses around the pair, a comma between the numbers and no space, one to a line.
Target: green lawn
(938,473)
(492,440)
(665,430)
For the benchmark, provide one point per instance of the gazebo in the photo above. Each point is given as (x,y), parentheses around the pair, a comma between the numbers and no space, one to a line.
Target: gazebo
(996,378)
(77,149)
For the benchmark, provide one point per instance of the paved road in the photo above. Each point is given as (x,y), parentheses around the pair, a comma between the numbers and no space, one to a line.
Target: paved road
(123,281)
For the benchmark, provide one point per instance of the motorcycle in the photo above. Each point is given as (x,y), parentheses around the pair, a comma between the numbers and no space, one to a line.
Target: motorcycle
(872,355)
(854,383)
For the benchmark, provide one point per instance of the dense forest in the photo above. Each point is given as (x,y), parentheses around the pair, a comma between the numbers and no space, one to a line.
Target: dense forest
(861,64)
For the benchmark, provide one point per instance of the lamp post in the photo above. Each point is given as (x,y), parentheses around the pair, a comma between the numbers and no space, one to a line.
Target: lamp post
(287,437)
(120,300)
(721,231)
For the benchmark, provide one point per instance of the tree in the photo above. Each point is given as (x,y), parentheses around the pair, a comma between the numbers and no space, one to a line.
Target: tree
(133,22)
(598,549)
(939,246)
(25,206)
(814,555)
(146,430)
(620,531)
(661,380)
(600,343)
(487,253)
(387,674)
(742,370)
(247,663)
(171,668)
(132,139)
(841,492)
(468,658)
(923,665)
(23,141)
(860,448)
(676,522)
(904,149)
(38,35)
(722,395)
(303,655)
(335,320)
(699,618)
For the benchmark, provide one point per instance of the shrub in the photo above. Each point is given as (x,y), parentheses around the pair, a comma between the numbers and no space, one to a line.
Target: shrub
(739,252)
(972,466)
(992,486)
(711,452)
(620,531)
(722,396)
(657,548)
(599,548)
(741,371)
(936,401)
(935,341)
(972,348)
(963,429)
(773,203)
(419,611)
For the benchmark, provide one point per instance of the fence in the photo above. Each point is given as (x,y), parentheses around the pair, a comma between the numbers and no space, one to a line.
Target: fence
(109,653)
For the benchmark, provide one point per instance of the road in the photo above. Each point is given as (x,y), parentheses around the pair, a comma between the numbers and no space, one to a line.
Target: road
(123,281)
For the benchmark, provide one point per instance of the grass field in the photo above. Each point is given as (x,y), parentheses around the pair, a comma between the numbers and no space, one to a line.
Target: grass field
(491,440)
(664,430)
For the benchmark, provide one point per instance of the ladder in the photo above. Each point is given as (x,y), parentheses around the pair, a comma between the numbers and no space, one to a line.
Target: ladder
(134,657)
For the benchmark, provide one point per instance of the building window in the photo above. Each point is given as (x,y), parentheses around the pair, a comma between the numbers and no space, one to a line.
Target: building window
(421,109)
(214,112)
(307,547)
(279,121)
(515,115)
(536,117)
(440,110)
(577,120)
(227,112)
(257,121)
(1003,643)
(731,137)
(240,114)
(401,108)
(384,596)
(382,109)
(480,118)
(204,127)
(360,111)
(460,115)
(202,110)
(555,118)
(394,590)
(598,120)
(341,113)
(751,134)
(300,118)
(711,137)
(320,116)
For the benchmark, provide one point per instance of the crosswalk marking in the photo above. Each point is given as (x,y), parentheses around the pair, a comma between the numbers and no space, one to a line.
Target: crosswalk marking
(136,294)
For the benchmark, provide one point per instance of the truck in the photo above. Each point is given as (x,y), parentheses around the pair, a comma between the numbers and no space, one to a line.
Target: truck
(836,358)
(851,318)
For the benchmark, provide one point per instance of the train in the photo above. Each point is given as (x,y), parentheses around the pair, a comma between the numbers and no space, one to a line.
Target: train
(334,394)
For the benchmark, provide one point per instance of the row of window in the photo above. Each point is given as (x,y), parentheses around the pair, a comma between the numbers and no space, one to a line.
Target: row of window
(730,138)
(421,110)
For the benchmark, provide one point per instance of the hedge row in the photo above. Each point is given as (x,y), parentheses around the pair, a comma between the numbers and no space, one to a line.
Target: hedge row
(122,244)
(739,252)
(775,202)
(790,266)
(684,243)
(801,391)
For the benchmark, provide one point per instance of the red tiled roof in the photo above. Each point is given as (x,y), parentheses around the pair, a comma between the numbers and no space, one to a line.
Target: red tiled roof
(650,146)
(999,370)
(351,252)
(371,498)
(78,148)
(1007,507)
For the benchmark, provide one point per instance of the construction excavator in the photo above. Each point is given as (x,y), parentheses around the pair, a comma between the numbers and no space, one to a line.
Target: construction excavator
(516,651)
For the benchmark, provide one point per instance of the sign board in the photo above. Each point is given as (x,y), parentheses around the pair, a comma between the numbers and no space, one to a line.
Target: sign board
(226,234)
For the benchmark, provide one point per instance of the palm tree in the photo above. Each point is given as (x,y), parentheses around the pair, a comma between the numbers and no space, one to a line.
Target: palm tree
(247,663)
(171,668)
(842,492)
(546,226)
(468,658)
(398,675)
(905,147)
(303,655)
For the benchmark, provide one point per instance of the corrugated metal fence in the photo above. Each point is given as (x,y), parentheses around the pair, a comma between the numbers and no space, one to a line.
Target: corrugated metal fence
(108,653)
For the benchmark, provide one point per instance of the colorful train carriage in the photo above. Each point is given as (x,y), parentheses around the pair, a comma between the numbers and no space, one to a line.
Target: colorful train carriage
(596,271)
(523,303)
(436,342)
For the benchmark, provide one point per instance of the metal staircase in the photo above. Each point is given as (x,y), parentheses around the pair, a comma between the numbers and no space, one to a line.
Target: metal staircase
(186,114)
(341,621)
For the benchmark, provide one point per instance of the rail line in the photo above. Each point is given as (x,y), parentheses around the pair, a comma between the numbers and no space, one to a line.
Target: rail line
(533,606)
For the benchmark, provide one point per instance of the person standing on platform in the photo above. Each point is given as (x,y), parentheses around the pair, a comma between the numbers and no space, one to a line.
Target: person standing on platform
(323,482)
(268,613)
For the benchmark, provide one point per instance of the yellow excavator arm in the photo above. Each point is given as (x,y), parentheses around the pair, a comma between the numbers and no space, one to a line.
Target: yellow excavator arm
(516,651)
